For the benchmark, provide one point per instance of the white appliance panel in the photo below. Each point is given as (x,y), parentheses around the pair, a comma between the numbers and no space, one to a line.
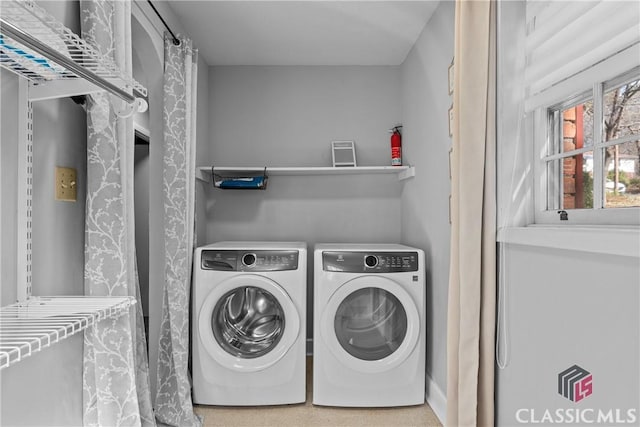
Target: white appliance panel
(369,324)
(249,316)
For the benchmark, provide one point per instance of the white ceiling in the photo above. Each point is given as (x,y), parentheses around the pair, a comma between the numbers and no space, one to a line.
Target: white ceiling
(305,32)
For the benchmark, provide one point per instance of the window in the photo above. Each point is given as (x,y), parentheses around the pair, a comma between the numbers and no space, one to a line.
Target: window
(591,159)
(580,94)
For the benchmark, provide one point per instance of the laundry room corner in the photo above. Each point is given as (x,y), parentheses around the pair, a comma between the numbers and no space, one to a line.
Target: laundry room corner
(319,213)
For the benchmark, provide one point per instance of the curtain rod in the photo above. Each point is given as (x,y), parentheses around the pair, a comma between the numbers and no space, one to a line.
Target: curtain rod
(175,39)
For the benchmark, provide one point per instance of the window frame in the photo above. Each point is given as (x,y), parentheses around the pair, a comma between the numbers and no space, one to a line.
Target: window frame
(546,197)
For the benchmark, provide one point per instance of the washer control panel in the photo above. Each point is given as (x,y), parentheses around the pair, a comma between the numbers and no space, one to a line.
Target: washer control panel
(249,260)
(369,262)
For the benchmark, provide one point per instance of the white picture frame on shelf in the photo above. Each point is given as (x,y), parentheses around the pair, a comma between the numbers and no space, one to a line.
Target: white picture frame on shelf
(343,153)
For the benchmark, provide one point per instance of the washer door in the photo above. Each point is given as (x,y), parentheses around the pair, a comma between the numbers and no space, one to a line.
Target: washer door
(370,324)
(247,323)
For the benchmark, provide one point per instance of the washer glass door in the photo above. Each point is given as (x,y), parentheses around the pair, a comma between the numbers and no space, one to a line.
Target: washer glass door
(370,323)
(248,322)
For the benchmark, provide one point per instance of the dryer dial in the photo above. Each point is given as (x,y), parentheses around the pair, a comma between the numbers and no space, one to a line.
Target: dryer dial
(249,260)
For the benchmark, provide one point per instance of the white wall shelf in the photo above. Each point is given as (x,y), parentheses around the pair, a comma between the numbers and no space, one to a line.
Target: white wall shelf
(31,326)
(203,173)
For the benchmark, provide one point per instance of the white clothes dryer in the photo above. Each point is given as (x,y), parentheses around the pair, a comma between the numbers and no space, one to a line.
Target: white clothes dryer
(249,317)
(369,325)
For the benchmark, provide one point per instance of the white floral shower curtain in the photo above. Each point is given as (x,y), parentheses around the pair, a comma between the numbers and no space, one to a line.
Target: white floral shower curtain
(115,372)
(173,398)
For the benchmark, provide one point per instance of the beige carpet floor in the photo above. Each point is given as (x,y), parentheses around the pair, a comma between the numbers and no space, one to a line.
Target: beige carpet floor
(307,415)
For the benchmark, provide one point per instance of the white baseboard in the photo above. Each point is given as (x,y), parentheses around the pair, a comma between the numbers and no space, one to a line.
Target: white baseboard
(436,399)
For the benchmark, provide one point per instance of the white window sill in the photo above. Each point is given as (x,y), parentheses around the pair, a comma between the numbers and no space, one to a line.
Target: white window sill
(611,240)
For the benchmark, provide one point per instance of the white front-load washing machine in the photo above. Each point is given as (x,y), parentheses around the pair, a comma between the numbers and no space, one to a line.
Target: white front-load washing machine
(249,317)
(369,325)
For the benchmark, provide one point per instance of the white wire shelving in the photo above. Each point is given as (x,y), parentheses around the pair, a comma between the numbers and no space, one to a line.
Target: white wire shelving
(55,63)
(31,326)
(38,47)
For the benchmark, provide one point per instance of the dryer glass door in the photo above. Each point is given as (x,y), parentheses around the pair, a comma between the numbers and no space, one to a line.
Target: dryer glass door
(248,322)
(370,323)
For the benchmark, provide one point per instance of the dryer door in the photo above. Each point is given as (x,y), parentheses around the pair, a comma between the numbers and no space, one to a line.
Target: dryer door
(371,324)
(248,322)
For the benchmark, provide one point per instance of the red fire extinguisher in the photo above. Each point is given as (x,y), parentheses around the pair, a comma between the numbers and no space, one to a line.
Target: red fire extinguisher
(396,146)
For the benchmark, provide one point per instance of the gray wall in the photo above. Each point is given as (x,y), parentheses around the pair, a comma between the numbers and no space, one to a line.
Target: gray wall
(425,199)
(58,227)
(566,308)
(44,389)
(288,116)
(141,195)
(203,144)
(9,196)
(51,380)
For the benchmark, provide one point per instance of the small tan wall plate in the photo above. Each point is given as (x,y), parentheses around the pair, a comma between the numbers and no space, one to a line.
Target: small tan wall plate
(66,184)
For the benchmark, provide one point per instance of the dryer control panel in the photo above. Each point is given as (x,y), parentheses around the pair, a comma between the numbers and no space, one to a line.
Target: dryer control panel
(249,260)
(369,262)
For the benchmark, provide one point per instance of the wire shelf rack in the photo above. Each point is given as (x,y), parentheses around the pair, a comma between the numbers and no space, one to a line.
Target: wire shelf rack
(61,45)
(31,326)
